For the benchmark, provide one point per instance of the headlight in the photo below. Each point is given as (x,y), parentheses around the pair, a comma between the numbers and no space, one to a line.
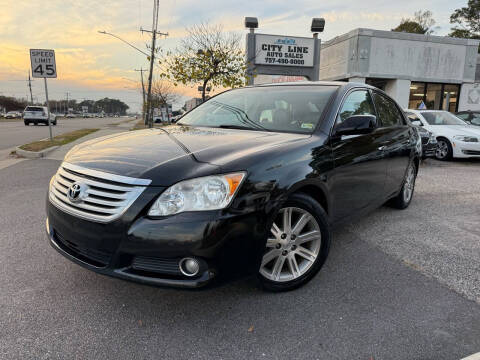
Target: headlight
(466,138)
(432,139)
(200,194)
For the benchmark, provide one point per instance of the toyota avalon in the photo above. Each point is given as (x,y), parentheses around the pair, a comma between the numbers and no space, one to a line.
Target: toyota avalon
(251,180)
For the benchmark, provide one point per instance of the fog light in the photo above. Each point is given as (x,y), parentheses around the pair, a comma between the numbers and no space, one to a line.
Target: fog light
(189,266)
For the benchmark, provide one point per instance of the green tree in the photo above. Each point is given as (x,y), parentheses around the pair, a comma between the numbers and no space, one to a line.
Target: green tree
(468,21)
(208,57)
(422,23)
(12,104)
(113,106)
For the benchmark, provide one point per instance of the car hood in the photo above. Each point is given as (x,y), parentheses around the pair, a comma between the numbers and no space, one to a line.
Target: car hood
(172,153)
(452,130)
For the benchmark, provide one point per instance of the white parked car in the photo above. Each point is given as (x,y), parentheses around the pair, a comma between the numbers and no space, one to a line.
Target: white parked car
(12,115)
(456,138)
(38,115)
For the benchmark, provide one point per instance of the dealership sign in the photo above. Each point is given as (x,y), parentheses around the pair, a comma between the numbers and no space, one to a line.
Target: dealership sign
(284,50)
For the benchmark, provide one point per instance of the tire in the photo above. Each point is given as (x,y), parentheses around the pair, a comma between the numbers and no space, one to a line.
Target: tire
(289,262)
(35,123)
(26,123)
(444,150)
(404,197)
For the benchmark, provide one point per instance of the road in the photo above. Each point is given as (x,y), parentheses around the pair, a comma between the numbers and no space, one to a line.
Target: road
(397,285)
(16,133)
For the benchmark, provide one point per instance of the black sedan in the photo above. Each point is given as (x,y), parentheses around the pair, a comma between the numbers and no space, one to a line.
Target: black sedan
(252,179)
(429,141)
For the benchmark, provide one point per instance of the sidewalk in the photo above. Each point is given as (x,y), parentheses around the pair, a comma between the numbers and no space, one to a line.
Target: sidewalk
(6,160)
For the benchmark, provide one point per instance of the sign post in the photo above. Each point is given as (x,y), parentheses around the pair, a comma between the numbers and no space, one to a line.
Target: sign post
(43,65)
(283,55)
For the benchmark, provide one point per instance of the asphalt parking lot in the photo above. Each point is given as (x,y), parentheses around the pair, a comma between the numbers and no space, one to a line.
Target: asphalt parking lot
(14,133)
(397,285)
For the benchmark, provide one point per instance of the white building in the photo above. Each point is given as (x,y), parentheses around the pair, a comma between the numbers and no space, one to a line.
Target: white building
(192,103)
(442,72)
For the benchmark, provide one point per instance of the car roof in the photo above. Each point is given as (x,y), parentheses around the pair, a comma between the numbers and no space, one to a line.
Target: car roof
(420,110)
(318,83)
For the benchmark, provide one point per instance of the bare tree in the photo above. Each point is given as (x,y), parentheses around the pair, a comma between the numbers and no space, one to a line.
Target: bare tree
(163,92)
(422,23)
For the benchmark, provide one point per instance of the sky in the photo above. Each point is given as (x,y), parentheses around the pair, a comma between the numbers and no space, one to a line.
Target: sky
(92,65)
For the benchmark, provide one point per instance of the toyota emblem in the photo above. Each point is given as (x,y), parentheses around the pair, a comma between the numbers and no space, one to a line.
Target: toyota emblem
(75,192)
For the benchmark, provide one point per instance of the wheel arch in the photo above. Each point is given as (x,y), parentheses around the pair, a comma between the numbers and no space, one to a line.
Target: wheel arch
(314,191)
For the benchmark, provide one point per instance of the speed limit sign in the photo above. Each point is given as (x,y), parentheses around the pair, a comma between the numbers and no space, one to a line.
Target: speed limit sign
(43,66)
(43,63)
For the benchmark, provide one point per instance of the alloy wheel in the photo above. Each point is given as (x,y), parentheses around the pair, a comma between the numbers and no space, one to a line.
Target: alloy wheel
(409,184)
(294,246)
(442,150)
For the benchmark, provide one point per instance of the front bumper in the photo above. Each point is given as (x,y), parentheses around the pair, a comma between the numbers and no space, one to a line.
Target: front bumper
(149,250)
(429,149)
(466,149)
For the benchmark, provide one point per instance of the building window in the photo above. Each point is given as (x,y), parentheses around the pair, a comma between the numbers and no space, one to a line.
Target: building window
(450,97)
(434,96)
(433,100)
(417,94)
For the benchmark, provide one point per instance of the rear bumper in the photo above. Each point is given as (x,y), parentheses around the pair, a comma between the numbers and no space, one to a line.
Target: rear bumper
(149,250)
(38,120)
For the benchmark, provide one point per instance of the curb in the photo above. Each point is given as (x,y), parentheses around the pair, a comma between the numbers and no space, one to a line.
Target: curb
(34,154)
(472,357)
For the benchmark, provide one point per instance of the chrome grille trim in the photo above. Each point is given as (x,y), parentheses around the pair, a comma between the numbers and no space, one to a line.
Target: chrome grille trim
(106,198)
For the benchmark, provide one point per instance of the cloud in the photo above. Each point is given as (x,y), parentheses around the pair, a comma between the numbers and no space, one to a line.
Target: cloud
(95,62)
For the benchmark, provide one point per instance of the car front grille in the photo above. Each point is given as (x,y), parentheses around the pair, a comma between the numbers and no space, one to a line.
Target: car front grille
(103,197)
(425,140)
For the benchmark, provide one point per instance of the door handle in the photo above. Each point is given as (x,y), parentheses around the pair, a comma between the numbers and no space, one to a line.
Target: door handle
(382,148)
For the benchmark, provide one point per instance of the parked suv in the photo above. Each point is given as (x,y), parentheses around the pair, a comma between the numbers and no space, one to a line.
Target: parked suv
(253,178)
(38,115)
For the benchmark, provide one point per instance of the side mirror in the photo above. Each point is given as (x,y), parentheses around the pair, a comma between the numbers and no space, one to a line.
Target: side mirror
(356,125)
(416,122)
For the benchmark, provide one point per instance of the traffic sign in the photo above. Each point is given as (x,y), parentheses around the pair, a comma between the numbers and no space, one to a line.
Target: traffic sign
(43,66)
(43,63)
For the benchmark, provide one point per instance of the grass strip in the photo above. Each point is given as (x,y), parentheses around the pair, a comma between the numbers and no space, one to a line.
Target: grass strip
(58,140)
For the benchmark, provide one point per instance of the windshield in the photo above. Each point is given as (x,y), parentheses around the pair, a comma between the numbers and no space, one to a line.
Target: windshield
(442,118)
(279,108)
(33,108)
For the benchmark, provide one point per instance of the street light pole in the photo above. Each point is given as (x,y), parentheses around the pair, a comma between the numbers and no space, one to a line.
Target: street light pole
(151,56)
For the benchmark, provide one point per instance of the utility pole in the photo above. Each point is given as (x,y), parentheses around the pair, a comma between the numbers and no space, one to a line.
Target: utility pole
(30,87)
(143,93)
(152,60)
(66,108)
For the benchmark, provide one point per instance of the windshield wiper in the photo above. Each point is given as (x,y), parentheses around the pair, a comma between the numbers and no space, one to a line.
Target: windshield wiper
(238,127)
